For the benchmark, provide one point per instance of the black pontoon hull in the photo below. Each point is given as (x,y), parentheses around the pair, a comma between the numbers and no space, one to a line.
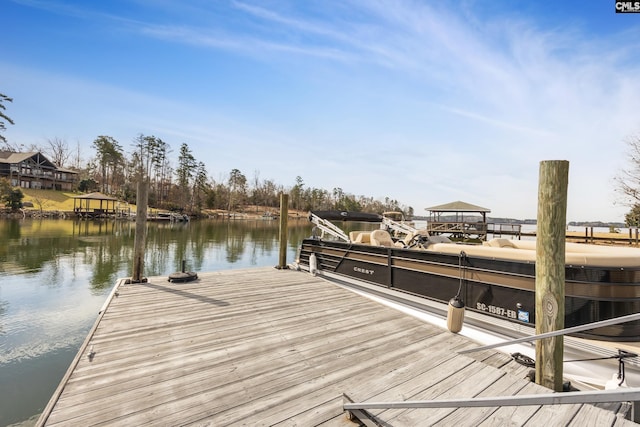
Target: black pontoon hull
(500,288)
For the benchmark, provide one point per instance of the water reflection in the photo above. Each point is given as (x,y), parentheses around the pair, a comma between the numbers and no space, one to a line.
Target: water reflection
(56,274)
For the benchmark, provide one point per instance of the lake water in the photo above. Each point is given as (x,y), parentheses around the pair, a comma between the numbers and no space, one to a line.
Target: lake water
(55,275)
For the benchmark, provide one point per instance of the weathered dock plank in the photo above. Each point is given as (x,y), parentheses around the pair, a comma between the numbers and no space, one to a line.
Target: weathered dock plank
(277,347)
(505,385)
(516,415)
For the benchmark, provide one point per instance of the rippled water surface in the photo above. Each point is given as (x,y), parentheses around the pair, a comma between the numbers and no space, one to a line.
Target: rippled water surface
(56,274)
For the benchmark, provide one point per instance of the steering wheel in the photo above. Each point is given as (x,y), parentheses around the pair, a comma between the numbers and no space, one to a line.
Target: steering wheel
(416,241)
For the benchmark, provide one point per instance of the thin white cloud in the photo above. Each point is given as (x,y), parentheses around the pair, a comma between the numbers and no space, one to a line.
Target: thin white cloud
(237,43)
(498,123)
(83,12)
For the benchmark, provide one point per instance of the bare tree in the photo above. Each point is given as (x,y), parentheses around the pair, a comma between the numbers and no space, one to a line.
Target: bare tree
(255,190)
(41,202)
(14,148)
(58,151)
(77,159)
(628,179)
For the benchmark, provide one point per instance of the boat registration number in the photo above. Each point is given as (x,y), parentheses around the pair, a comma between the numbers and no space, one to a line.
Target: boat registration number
(500,311)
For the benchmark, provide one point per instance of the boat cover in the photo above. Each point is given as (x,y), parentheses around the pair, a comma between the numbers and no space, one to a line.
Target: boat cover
(348,216)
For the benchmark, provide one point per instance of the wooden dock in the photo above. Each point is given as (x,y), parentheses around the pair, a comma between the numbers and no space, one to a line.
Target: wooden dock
(280,347)
(630,238)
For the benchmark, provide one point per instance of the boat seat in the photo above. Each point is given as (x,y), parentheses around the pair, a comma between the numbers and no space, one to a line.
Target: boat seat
(500,243)
(364,238)
(438,239)
(361,237)
(485,251)
(576,254)
(353,235)
(383,238)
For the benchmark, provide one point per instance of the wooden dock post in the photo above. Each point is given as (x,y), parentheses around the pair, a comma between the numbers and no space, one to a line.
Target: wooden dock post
(141,230)
(284,217)
(550,270)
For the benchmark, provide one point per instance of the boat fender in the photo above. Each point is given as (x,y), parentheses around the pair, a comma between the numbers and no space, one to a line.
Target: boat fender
(313,264)
(615,382)
(455,315)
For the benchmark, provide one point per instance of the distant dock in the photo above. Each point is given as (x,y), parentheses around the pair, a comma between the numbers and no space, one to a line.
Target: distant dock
(630,237)
(280,347)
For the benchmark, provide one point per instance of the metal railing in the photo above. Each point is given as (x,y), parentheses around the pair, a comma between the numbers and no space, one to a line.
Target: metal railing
(327,227)
(631,394)
(357,410)
(398,226)
(565,331)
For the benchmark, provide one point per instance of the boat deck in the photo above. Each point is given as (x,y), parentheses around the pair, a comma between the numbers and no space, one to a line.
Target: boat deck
(279,347)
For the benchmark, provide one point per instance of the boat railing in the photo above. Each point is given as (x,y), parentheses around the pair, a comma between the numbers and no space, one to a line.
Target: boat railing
(456,227)
(626,394)
(504,228)
(398,226)
(327,227)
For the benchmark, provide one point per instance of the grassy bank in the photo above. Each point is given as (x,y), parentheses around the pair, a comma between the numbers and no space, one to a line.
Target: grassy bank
(63,201)
(48,200)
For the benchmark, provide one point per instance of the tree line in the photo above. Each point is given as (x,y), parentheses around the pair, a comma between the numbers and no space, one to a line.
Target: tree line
(185,186)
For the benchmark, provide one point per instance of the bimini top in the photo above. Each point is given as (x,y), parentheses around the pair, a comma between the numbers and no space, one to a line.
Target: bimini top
(347,216)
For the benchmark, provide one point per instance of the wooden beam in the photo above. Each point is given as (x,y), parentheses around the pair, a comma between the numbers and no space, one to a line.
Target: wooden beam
(284,217)
(141,230)
(550,270)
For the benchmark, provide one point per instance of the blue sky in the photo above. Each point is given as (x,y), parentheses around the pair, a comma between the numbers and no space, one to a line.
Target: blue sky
(426,102)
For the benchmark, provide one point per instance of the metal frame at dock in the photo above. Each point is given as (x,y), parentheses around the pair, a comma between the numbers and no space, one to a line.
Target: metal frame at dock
(631,395)
(358,409)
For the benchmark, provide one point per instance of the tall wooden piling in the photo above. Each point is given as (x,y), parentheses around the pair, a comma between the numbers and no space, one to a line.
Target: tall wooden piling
(550,270)
(284,217)
(141,230)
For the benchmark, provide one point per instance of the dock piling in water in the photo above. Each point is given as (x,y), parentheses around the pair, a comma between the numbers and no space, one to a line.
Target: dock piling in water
(141,230)
(284,217)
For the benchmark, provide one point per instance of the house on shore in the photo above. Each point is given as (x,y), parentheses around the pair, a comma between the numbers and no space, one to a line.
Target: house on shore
(34,170)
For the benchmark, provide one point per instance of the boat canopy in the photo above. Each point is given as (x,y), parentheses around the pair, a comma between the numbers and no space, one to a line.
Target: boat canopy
(347,216)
